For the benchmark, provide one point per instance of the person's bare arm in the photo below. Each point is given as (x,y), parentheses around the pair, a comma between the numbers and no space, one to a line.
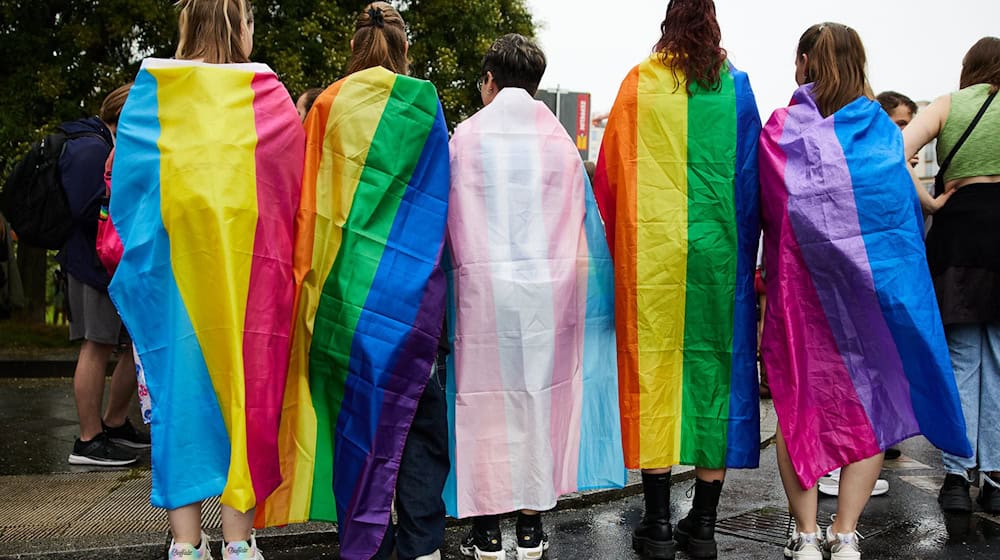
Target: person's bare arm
(926,126)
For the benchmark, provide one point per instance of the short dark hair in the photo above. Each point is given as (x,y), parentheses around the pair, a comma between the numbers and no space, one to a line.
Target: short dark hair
(892,99)
(309,96)
(515,61)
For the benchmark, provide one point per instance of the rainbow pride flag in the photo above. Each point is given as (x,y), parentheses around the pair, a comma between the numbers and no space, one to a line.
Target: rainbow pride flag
(370,231)
(531,377)
(677,185)
(853,342)
(207,176)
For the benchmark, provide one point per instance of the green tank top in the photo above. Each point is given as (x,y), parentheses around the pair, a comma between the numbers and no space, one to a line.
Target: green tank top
(980,155)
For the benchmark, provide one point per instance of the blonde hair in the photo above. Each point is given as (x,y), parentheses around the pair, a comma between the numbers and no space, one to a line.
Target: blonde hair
(212,30)
(379,40)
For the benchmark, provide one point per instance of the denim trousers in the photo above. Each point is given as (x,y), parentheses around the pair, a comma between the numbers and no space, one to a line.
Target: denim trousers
(975,356)
(424,467)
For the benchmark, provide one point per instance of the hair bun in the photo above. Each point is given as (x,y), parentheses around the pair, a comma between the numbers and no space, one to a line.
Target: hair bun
(377,17)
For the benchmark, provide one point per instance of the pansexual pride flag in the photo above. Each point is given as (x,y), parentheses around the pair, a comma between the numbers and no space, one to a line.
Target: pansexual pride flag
(677,185)
(532,380)
(853,343)
(207,177)
(370,230)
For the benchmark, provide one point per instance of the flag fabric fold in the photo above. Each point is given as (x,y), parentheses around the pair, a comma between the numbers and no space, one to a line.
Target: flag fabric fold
(677,185)
(853,342)
(532,379)
(370,301)
(207,179)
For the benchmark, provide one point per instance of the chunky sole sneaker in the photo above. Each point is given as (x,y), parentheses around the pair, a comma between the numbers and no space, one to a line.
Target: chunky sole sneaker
(486,547)
(803,547)
(842,546)
(436,555)
(653,549)
(126,435)
(189,552)
(100,452)
(830,485)
(484,555)
(242,550)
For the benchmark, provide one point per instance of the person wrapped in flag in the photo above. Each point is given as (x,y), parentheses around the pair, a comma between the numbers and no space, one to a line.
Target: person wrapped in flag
(207,180)
(370,304)
(853,341)
(532,378)
(677,185)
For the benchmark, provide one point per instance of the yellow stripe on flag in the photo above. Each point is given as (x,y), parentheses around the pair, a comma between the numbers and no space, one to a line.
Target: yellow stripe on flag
(208,163)
(661,268)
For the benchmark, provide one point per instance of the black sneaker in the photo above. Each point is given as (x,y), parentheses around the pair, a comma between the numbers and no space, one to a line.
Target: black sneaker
(532,542)
(483,545)
(100,452)
(954,495)
(989,497)
(127,435)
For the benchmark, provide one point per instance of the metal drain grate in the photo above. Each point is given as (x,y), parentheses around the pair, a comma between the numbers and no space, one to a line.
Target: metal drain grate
(770,525)
(85,504)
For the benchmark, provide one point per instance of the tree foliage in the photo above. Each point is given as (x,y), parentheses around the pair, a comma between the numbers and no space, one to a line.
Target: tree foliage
(59,58)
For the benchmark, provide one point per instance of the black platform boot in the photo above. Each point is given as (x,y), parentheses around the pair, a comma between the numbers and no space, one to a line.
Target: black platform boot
(696,532)
(653,537)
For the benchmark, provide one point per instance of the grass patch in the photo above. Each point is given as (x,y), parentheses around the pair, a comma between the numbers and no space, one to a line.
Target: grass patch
(20,336)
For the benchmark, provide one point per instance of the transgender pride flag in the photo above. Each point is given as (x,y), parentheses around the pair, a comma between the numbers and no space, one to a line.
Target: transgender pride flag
(532,379)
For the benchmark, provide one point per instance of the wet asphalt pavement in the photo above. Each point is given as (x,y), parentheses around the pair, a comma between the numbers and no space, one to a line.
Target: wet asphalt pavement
(38,424)
(906,523)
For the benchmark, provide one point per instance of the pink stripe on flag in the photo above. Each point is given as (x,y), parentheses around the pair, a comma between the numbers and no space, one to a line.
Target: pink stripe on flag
(482,459)
(563,213)
(271,294)
(812,388)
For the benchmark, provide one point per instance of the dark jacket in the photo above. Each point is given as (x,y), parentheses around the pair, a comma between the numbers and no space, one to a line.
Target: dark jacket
(82,170)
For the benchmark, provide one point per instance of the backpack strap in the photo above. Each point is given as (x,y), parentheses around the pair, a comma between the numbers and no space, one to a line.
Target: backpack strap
(939,178)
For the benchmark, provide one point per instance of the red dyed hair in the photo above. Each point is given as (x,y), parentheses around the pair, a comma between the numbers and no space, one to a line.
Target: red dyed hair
(690,41)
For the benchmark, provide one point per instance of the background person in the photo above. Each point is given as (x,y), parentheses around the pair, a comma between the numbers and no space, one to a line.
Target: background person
(963,251)
(108,439)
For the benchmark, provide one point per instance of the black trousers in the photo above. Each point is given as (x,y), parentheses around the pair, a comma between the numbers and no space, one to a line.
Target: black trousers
(422,474)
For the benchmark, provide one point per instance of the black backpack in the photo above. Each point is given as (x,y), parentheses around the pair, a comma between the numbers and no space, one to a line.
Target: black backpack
(33,199)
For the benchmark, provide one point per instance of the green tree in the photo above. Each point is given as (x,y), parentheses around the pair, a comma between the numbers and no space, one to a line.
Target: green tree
(59,58)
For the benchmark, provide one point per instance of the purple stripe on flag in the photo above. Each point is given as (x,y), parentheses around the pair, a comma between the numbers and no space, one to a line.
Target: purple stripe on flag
(828,231)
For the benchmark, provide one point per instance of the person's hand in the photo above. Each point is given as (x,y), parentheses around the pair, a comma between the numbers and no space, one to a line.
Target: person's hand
(938,202)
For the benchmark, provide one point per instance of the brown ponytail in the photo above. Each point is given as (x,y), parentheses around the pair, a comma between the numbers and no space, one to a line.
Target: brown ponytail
(379,40)
(836,66)
(212,30)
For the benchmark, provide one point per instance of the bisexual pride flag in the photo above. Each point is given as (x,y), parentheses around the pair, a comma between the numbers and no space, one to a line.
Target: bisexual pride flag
(207,177)
(853,344)
(532,380)
(677,185)
(370,301)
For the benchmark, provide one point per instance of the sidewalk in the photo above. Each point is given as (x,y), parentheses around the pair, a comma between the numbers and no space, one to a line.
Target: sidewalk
(51,509)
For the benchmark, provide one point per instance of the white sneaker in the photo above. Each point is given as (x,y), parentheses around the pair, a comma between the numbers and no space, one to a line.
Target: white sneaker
(483,555)
(804,546)
(183,551)
(242,550)
(830,485)
(842,547)
(436,555)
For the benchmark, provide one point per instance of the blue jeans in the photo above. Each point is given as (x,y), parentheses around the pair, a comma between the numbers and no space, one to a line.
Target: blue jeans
(975,356)
(422,473)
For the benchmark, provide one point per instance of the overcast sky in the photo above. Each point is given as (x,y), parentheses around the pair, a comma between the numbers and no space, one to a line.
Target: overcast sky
(914,46)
